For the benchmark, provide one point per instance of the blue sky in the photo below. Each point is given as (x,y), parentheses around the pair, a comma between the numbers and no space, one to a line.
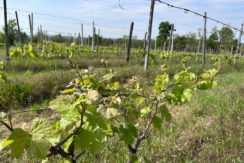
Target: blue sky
(115,22)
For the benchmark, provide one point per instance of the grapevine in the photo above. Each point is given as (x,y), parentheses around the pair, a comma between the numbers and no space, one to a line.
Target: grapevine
(94,109)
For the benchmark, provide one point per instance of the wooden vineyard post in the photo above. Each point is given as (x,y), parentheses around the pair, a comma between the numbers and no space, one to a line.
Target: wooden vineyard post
(93,36)
(69,38)
(198,49)
(6,30)
(170,38)
(238,45)
(38,33)
(164,46)
(101,39)
(204,40)
(129,42)
(41,34)
(145,43)
(94,41)
(88,41)
(146,64)
(32,26)
(19,33)
(98,35)
(78,39)
(30,29)
(82,35)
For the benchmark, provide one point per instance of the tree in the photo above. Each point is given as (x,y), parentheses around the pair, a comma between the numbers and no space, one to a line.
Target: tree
(12,33)
(180,42)
(226,36)
(191,39)
(164,32)
(58,38)
(213,39)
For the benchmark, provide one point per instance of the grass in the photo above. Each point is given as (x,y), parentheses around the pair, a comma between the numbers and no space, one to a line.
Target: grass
(209,129)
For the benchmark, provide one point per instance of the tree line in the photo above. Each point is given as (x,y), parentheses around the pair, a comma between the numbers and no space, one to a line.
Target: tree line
(219,40)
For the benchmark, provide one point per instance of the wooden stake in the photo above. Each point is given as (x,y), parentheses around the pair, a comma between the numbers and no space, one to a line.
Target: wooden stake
(146,64)
(170,39)
(204,40)
(47,36)
(30,29)
(238,45)
(79,39)
(129,43)
(82,37)
(89,40)
(6,30)
(145,42)
(93,36)
(32,25)
(41,34)
(19,33)
(164,46)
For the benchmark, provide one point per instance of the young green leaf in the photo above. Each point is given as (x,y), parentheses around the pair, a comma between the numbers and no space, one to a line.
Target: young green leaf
(165,113)
(145,111)
(157,122)
(18,141)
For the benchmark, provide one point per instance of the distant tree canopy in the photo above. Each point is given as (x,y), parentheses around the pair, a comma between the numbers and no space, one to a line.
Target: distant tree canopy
(12,33)
(212,41)
(218,40)
(226,37)
(164,32)
(180,42)
(58,38)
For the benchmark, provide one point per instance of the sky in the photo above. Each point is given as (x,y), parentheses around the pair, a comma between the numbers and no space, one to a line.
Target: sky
(113,20)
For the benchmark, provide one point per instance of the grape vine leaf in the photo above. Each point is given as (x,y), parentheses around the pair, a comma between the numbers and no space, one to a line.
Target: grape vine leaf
(17,141)
(63,103)
(69,117)
(86,139)
(145,111)
(165,112)
(38,148)
(42,130)
(157,122)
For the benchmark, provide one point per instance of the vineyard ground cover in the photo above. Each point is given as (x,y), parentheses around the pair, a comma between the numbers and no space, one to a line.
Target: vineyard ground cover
(191,136)
(41,79)
(209,129)
(36,86)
